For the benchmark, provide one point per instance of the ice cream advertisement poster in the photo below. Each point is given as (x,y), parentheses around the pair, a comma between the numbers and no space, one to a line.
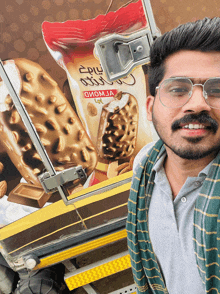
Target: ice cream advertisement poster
(69,135)
(91,123)
(80,117)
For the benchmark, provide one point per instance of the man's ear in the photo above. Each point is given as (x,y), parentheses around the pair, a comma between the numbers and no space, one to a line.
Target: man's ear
(149,106)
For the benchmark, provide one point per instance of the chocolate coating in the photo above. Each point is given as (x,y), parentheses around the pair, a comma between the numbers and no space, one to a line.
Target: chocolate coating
(117,133)
(58,126)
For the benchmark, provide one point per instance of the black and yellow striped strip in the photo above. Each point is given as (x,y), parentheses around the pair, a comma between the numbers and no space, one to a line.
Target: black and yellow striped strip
(59,208)
(80,249)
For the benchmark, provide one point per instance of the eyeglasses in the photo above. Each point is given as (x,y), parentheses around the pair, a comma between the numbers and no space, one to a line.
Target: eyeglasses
(176,92)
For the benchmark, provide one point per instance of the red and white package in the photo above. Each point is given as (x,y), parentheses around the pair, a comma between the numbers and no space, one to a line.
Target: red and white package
(113,113)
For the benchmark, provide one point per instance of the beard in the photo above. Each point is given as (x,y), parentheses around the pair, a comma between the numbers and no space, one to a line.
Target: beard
(193,150)
(193,153)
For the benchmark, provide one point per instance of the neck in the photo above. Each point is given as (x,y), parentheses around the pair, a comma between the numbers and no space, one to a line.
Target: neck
(178,169)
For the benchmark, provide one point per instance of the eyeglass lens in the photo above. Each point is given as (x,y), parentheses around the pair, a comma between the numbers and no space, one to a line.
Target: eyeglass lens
(175,92)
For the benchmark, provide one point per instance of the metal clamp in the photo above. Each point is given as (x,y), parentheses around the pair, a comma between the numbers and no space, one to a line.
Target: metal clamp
(119,54)
(50,183)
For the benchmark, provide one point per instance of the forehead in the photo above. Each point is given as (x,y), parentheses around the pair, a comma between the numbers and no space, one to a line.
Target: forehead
(193,64)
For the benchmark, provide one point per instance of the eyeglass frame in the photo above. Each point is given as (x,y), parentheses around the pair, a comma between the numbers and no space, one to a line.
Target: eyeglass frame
(205,96)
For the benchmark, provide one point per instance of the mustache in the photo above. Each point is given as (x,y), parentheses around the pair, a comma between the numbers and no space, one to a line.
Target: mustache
(202,118)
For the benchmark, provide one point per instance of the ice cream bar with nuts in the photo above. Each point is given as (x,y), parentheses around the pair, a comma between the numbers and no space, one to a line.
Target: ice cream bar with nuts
(118,127)
(58,126)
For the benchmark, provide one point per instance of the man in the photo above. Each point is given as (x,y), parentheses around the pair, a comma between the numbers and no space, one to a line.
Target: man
(173,223)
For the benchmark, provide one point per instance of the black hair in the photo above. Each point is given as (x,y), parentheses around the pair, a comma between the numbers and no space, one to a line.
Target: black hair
(201,35)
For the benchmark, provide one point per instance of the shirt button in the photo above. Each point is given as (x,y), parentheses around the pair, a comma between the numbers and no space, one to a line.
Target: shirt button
(183,199)
(197,183)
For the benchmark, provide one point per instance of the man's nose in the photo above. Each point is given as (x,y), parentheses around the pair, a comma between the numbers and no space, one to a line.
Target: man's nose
(197,101)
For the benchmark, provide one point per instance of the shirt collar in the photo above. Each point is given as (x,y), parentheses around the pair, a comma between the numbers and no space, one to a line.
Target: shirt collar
(159,165)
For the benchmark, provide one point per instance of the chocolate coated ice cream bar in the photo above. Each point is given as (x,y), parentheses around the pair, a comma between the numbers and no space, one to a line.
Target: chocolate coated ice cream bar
(118,126)
(58,126)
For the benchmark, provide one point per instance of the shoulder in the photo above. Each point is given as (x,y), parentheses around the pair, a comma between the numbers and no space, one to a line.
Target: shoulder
(142,154)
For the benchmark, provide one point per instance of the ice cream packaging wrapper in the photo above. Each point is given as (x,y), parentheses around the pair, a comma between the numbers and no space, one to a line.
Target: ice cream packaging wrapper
(112,113)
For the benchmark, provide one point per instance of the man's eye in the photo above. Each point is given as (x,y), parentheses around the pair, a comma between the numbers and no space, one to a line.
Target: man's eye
(214,91)
(178,91)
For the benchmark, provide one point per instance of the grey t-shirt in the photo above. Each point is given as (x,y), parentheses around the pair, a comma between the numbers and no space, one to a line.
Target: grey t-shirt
(171,229)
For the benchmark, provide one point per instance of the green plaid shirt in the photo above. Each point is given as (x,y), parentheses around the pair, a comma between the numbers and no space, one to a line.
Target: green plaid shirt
(146,271)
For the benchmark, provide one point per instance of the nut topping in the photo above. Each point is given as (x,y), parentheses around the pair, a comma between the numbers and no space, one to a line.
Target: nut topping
(71,120)
(45,142)
(67,129)
(90,148)
(40,128)
(42,110)
(60,144)
(26,102)
(61,108)
(16,136)
(15,117)
(63,159)
(3,188)
(39,98)
(52,124)
(52,99)
(27,147)
(29,76)
(27,88)
(80,134)
(36,156)
(1,167)
(85,155)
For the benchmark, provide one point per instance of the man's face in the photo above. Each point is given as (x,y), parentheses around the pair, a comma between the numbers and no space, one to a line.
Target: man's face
(172,124)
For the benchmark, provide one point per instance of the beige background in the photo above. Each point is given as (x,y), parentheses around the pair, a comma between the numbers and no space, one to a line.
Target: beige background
(20,23)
